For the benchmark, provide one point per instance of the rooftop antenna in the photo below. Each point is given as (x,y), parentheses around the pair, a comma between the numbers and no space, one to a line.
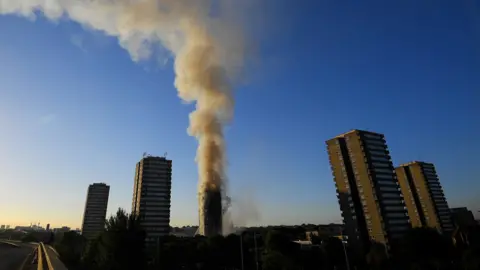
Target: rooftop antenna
(145,154)
(165,154)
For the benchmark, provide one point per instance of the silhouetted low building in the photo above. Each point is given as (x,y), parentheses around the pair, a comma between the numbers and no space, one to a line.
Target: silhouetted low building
(462,217)
(23,228)
(304,245)
(187,231)
(62,229)
(330,230)
(311,234)
(325,231)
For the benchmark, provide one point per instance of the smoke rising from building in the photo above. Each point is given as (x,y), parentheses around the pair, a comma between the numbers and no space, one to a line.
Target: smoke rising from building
(208,52)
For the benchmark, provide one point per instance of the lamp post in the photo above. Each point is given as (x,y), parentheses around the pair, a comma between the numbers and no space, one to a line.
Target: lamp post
(256,253)
(241,250)
(345,251)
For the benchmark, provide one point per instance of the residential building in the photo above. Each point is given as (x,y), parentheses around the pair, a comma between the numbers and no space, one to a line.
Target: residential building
(2,227)
(188,231)
(462,217)
(62,229)
(424,196)
(325,231)
(151,196)
(311,235)
(370,199)
(95,210)
(304,244)
(23,228)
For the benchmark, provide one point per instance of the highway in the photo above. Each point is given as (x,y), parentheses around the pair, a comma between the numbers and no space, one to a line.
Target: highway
(12,257)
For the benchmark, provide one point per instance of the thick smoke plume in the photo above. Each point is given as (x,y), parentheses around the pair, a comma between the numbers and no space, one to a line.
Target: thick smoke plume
(208,52)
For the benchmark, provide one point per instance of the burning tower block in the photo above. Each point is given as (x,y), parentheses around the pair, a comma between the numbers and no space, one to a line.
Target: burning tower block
(211,220)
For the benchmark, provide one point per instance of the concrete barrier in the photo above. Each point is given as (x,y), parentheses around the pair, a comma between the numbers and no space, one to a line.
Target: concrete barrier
(56,253)
(9,243)
(52,258)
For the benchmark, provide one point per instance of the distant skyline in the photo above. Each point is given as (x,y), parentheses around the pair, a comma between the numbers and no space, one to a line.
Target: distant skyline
(76,110)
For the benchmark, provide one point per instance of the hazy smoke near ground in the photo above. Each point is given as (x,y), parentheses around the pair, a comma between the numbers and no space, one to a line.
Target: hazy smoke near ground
(207,47)
(244,210)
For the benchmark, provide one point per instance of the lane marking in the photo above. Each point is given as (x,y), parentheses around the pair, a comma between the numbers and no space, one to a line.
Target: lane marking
(49,263)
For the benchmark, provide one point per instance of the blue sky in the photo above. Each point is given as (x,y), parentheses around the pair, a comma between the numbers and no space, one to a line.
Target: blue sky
(74,109)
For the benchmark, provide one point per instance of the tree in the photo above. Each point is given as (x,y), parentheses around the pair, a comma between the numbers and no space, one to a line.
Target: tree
(275,260)
(121,246)
(426,248)
(334,252)
(29,238)
(277,241)
(470,260)
(89,255)
(316,240)
(280,252)
(377,257)
(470,251)
(70,247)
(51,239)
(232,246)
(311,259)
(180,253)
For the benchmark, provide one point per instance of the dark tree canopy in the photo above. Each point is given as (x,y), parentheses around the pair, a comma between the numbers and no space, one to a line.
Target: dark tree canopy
(425,247)
(122,246)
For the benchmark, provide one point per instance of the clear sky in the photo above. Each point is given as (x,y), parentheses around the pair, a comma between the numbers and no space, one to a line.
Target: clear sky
(74,109)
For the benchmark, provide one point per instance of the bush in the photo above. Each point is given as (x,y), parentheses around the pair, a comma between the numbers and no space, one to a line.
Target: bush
(29,238)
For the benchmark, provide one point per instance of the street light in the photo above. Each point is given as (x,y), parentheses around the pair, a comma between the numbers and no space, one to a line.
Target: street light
(256,253)
(241,249)
(345,251)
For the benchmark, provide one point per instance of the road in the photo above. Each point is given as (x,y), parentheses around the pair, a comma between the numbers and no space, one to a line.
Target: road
(11,257)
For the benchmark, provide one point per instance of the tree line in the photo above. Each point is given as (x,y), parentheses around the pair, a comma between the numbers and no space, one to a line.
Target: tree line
(122,246)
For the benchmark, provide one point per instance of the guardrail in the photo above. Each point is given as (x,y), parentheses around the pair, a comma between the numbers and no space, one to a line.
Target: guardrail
(7,242)
(54,251)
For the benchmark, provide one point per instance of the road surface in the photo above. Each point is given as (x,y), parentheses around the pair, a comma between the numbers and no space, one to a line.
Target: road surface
(12,257)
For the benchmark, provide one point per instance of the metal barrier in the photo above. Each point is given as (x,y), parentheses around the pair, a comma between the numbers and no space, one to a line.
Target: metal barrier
(8,242)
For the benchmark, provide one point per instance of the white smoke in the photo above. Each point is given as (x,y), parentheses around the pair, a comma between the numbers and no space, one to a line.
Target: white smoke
(243,211)
(209,52)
